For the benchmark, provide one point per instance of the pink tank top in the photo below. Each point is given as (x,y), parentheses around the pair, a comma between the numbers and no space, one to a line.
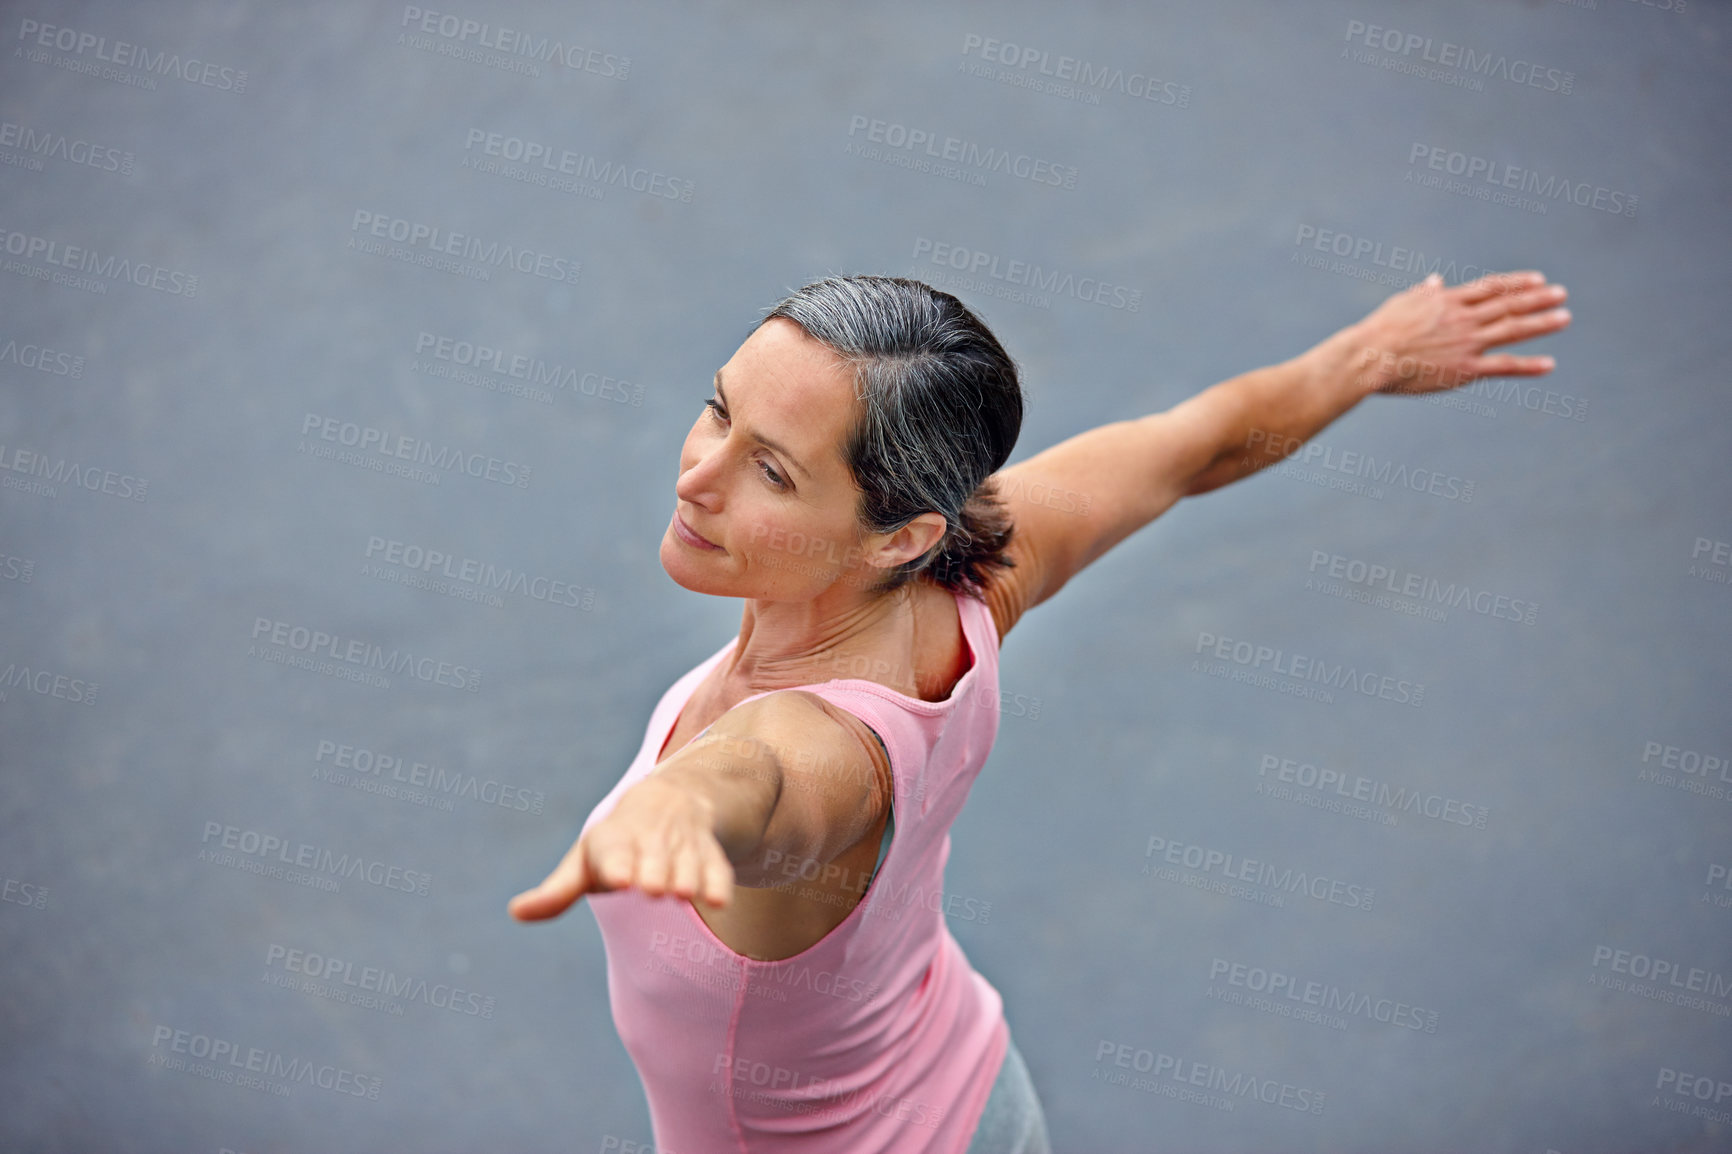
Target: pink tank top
(879,1038)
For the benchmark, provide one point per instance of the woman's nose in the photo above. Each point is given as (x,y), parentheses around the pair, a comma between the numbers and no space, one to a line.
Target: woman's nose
(698,478)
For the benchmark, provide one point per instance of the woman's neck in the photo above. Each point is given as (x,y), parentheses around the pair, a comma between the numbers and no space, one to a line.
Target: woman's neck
(788,643)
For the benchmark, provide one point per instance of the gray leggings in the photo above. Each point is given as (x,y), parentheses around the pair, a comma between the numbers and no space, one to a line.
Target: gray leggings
(1013,1122)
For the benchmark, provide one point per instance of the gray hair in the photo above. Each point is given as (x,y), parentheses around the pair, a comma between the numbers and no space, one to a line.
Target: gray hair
(940,410)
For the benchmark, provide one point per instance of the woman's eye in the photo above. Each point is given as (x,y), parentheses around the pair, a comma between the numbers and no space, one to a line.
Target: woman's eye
(770,473)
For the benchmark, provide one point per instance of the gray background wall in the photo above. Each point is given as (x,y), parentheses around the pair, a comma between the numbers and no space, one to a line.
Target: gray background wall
(1558,978)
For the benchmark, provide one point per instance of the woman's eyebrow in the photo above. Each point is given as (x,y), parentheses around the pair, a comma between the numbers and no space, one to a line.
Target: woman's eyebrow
(760,438)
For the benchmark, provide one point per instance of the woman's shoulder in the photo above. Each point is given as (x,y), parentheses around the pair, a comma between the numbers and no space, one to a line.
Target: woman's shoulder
(946,652)
(1004,594)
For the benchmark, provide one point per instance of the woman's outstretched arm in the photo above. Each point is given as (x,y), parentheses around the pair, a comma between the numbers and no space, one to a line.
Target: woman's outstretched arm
(785,777)
(1076,500)
(1425,339)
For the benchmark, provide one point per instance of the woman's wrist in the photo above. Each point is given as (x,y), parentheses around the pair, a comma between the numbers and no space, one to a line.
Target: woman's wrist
(736,788)
(1357,360)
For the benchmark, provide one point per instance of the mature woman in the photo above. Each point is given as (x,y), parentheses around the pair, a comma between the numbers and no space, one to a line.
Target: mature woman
(794,792)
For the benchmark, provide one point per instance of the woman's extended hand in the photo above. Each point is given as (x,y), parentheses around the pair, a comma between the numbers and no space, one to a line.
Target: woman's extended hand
(1429,338)
(658,838)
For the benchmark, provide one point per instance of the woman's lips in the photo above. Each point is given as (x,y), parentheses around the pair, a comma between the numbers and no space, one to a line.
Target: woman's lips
(684,532)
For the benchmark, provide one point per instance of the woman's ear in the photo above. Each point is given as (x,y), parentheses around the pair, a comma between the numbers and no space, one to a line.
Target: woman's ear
(909,543)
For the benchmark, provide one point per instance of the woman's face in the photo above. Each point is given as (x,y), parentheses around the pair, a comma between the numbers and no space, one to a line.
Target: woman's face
(763,481)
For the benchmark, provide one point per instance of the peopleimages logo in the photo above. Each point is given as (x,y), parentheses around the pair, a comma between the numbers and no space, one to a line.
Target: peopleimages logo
(554,161)
(1498,175)
(430,244)
(283,639)
(41,359)
(1449,55)
(1327,997)
(126,55)
(482,577)
(1409,262)
(899,140)
(1296,453)
(1068,76)
(376,447)
(324,975)
(264,853)
(1701,1087)
(54,471)
(256,1068)
(1219,1087)
(1330,785)
(784,1088)
(369,766)
(1663,980)
(458,354)
(1429,594)
(1205,860)
(83,259)
(1302,669)
(986,267)
(47,683)
(37,143)
(464,37)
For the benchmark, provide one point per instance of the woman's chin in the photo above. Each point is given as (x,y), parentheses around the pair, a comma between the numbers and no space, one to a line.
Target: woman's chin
(680,562)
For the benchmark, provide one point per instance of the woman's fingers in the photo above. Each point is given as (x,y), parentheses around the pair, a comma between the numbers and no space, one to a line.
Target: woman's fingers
(1520,303)
(1499,284)
(718,878)
(654,840)
(696,869)
(1510,365)
(616,863)
(1525,328)
(687,871)
(652,867)
(554,896)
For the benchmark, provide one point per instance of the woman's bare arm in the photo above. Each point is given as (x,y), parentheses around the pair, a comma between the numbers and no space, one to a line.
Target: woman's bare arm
(785,777)
(1076,500)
